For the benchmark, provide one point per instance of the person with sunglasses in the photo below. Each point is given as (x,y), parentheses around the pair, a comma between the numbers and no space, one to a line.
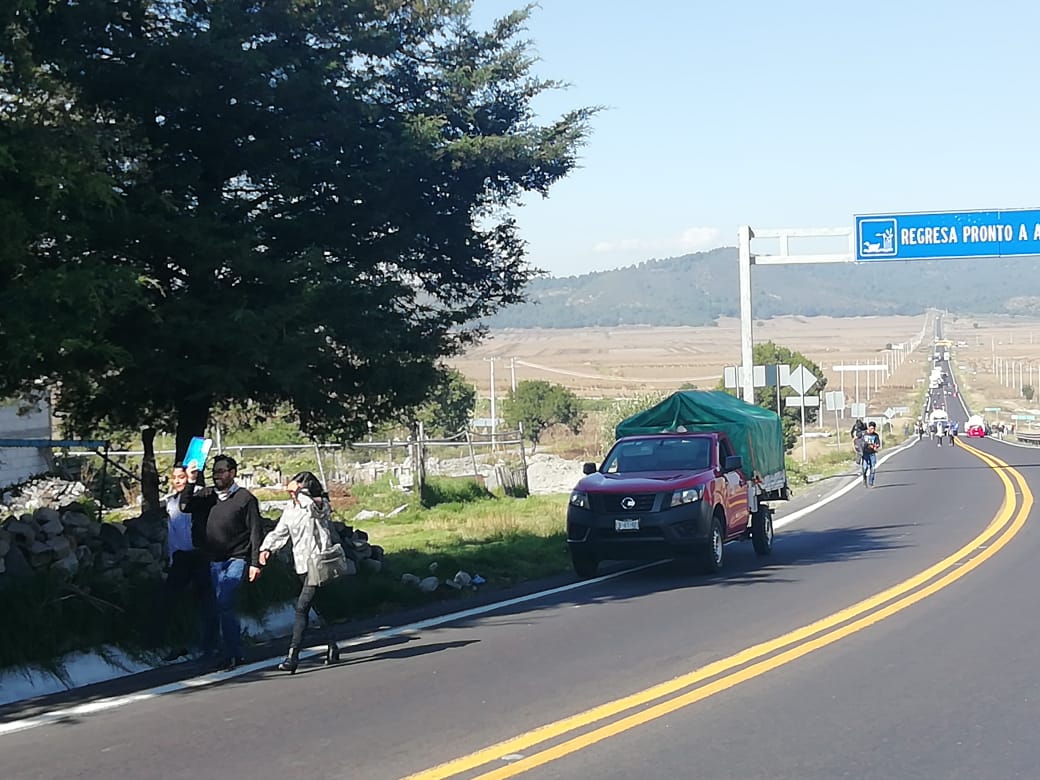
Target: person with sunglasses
(231,542)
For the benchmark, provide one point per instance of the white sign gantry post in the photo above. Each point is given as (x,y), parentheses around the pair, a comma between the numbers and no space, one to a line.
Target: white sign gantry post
(745,259)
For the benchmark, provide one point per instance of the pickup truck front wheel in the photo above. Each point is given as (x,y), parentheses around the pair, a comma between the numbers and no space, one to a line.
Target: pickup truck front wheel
(711,558)
(585,564)
(762,531)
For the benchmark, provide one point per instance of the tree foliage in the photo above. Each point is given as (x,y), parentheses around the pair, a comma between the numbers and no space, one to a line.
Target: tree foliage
(768,353)
(537,405)
(266,202)
(449,405)
(626,407)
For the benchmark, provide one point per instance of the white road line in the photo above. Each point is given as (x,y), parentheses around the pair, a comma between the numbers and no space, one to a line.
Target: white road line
(79,710)
(102,705)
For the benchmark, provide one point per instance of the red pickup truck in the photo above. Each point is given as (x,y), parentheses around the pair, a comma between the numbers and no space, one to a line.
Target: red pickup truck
(665,495)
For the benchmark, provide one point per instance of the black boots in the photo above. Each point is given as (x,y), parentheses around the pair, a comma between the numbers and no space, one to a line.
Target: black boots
(332,654)
(291,661)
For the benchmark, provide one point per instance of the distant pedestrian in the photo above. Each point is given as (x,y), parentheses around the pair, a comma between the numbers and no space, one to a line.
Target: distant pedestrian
(857,445)
(232,544)
(857,427)
(871,446)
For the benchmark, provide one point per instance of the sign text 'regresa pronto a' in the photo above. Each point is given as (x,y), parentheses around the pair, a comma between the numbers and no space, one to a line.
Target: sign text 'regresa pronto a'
(1004,233)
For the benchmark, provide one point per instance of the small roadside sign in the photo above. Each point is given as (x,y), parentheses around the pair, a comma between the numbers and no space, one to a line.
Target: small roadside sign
(769,375)
(802,400)
(835,400)
(991,409)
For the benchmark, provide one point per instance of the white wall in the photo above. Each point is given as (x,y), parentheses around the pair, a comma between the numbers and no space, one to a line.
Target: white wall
(17,464)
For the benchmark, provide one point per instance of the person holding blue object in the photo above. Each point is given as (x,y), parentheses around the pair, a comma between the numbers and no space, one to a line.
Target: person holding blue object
(231,542)
(188,570)
(871,445)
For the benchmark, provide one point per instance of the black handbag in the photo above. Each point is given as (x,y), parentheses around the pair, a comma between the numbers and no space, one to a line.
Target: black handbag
(326,566)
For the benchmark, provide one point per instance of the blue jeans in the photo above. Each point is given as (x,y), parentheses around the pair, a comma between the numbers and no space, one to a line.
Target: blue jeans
(869,464)
(227,577)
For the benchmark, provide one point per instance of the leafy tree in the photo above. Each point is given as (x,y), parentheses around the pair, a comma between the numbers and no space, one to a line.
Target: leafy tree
(266,203)
(449,406)
(537,405)
(1028,392)
(768,353)
(623,408)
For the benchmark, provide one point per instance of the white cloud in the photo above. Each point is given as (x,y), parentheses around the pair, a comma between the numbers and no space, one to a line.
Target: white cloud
(689,240)
(698,238)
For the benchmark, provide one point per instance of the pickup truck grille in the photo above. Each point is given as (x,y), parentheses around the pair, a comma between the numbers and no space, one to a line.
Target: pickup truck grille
(611,502)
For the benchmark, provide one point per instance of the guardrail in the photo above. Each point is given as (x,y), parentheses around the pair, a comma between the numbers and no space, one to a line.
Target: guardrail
(1028,438)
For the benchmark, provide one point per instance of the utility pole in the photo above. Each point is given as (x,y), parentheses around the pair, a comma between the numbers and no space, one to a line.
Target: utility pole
(512,374)
(494,408)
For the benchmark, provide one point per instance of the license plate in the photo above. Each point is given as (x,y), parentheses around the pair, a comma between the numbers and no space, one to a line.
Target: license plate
(627,525)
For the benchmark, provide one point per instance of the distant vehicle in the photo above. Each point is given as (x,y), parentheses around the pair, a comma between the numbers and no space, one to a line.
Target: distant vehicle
(938,416)
(976,426)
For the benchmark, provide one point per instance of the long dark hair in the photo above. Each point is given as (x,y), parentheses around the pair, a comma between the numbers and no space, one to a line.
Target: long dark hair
(309,484)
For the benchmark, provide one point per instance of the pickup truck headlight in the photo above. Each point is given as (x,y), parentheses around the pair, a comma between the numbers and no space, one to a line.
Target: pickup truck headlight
(688,496)
(580,499)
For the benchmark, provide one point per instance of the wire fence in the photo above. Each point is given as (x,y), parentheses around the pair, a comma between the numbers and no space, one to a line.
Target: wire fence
(496,460)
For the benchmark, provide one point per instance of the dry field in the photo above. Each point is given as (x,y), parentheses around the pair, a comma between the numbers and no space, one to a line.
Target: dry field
(629,362)
(995,350)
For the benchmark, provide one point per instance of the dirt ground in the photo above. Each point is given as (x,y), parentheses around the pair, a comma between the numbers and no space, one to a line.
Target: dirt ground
(629,362)
(996,358)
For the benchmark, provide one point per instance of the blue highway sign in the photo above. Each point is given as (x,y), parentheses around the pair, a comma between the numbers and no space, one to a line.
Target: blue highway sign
(945,234)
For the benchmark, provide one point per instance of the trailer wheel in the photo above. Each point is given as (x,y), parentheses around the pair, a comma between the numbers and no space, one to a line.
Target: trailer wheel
(711,558)
(585,564)
(762,530)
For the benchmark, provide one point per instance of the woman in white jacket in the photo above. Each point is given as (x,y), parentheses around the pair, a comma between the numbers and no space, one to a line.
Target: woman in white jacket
(306,524)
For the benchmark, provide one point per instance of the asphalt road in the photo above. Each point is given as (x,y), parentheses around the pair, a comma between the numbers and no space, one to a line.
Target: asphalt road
(781,667)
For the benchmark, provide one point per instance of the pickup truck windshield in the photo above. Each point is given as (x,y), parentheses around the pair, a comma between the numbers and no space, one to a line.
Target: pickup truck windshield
(678,454)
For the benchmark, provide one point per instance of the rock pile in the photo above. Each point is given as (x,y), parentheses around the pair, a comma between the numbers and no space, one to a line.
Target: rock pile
(48,530)
(67,540)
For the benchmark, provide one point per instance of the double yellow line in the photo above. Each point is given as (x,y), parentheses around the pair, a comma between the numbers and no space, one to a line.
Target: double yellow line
(757,660)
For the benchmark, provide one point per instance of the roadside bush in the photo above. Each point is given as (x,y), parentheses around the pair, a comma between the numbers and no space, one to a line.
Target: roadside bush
(623,408)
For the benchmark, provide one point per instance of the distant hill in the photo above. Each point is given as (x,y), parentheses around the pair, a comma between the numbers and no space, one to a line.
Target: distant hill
(696,289)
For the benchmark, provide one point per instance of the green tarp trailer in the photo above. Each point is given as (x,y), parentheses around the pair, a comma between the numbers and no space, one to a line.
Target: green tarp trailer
(755,432)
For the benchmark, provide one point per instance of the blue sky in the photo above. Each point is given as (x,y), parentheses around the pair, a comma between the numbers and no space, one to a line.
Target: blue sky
(777,114)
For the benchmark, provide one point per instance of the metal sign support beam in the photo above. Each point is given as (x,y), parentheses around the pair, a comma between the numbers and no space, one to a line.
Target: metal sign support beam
(746,259)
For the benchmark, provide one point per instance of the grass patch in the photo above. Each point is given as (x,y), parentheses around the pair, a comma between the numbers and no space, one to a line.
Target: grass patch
(453,490)
(826,464)
(505,540)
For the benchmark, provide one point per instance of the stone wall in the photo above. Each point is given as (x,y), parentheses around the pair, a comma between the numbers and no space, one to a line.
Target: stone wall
(17,464)
(47,529)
